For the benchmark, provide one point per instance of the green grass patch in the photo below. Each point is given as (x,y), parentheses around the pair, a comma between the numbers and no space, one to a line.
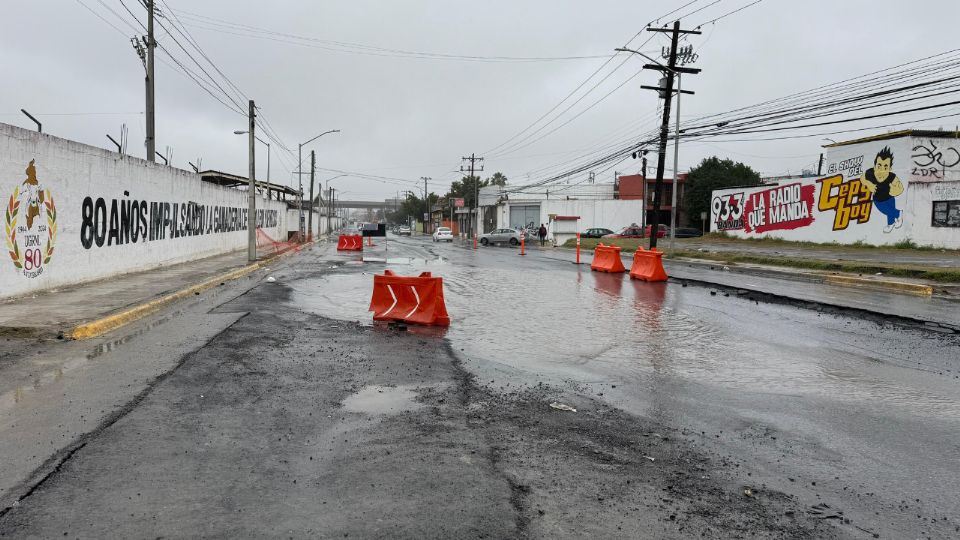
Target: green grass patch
(627,245)
(931,274)
(722,237)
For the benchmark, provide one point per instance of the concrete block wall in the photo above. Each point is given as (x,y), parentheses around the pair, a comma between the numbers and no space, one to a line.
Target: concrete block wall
(73,213)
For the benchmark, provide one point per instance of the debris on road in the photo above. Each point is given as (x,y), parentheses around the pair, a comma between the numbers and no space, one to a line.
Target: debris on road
(561,407)
(271,279)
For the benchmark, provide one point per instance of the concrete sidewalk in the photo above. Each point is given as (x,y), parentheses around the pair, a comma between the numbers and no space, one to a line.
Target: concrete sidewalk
(55,313)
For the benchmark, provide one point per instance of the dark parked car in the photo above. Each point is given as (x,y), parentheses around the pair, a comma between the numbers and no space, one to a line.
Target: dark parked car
(597,232)
(687,233)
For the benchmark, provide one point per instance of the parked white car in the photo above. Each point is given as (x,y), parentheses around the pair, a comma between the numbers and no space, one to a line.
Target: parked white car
(443,234)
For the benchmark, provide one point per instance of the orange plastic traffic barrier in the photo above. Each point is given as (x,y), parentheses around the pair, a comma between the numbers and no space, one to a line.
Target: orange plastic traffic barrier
(411,299)
(648,265)
(350,242)
(607,259)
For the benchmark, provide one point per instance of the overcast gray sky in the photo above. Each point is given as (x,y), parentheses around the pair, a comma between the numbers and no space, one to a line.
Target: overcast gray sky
(402,117)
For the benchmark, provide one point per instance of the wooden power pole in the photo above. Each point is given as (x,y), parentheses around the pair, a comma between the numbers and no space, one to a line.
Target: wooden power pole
(670,72)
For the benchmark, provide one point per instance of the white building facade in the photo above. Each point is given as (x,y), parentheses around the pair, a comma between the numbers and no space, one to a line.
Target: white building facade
(895,188)
(594,205)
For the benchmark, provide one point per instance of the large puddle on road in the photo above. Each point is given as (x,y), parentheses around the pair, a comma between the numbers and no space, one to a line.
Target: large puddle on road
(570,323)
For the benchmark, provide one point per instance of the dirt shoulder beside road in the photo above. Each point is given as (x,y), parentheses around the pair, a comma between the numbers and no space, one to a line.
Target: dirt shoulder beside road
(290,423)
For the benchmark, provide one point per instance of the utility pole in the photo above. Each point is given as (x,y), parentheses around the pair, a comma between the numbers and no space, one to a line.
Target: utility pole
(333,204)
(252,193)
(426,202)
(666,92)
(151,112)
(676,167)
(313,170)
(329,208)
(475,226)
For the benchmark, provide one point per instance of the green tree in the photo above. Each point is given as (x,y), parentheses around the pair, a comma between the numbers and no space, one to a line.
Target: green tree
(412,207)
(711,174)
(466,188)
(498,179)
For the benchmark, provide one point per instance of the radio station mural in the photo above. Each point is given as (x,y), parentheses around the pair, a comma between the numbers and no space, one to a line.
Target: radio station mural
(861,198)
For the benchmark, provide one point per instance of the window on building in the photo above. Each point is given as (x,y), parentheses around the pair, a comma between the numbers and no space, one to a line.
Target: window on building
(946,214)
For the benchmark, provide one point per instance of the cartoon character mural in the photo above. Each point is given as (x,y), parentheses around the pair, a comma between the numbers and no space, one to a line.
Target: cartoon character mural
(885,187)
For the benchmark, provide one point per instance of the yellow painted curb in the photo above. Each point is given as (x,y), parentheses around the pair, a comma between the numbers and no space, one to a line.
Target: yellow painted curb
(899,286)
(112,322)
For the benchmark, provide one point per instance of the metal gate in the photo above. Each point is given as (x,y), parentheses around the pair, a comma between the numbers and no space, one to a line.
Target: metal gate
(525,216)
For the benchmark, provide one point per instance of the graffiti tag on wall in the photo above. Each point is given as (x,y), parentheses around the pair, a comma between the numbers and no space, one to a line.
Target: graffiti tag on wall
(931,160)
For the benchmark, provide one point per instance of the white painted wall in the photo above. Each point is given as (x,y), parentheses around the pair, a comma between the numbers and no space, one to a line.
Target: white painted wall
(319,222)
(489,195)
(836,207)
(92,191)
(613,214)
(921,201)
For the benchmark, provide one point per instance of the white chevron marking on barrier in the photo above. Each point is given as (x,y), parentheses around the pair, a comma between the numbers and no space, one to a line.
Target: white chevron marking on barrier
(417,296)
(394,304)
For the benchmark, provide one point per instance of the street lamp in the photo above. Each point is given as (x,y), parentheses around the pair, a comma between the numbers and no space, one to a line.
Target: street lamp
(326,188)
(300,178)
(676,151)
(240,132)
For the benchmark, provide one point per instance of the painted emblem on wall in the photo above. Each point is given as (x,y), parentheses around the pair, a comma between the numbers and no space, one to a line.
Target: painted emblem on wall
(30,225)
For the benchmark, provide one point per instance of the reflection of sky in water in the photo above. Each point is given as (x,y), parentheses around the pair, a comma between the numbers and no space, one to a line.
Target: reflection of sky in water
(609,325)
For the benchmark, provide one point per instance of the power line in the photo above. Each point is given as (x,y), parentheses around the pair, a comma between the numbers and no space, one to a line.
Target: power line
(245,30)
(755,2)
(491,152)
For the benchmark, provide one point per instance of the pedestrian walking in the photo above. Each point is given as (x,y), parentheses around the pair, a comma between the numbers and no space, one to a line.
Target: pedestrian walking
(542,233)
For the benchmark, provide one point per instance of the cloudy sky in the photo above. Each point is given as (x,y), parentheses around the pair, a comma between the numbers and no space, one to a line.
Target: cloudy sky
(492,69)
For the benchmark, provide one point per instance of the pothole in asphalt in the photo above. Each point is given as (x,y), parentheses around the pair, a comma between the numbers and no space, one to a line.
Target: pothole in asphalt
(376,399)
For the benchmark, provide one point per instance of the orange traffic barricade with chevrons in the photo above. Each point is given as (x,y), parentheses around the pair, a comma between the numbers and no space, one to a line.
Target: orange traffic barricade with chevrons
(350,242)
(648,265)
(607,259)
(411,299)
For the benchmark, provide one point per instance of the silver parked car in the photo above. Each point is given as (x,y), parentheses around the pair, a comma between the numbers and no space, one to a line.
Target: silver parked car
(501,236)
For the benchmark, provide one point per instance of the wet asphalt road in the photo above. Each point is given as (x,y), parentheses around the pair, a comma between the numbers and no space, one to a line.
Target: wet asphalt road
(839,426)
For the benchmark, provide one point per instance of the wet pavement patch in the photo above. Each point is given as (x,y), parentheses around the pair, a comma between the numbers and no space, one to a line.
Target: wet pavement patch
(377,399)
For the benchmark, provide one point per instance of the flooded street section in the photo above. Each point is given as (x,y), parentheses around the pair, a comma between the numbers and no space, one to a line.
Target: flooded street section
(559,403)
(862,413)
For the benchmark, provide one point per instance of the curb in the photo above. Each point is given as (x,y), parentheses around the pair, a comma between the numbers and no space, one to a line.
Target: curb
(916,289)
(111,322)
(903,287)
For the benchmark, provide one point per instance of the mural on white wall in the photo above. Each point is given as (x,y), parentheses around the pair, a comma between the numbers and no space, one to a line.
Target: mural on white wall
(30,225)
(862,196)
(74,213)
(884,187)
